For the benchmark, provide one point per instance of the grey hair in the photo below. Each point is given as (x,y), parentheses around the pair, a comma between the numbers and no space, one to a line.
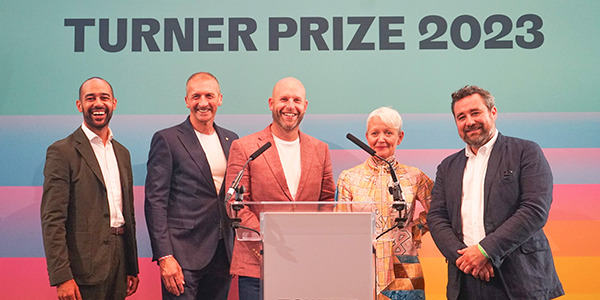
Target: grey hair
(388,116)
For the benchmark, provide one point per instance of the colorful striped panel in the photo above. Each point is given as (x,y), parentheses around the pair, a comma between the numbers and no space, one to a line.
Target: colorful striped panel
(574,218)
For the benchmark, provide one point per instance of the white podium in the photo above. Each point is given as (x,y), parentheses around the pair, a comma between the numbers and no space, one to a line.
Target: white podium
(314,253)
(317,255)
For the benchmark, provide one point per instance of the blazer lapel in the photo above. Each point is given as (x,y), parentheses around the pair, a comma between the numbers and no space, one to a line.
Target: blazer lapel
(190,142)
(84,148)
(457,173)
(492,169)
(123,165)
(271,155)
(226,141)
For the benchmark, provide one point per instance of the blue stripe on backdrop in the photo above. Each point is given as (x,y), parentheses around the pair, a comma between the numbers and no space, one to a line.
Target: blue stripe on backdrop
(25,138)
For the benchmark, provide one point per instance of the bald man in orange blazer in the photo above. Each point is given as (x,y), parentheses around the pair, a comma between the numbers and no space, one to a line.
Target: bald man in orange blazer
(297,167)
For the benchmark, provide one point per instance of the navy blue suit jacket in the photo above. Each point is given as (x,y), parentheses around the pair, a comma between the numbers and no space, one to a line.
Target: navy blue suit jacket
(184,213)
(517,199)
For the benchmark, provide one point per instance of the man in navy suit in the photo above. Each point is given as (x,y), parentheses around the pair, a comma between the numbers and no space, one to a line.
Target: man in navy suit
(490,202)
(190,233)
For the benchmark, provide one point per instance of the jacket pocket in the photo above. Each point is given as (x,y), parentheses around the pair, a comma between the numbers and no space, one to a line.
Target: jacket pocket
(536,243)
(180,223)
(251,253)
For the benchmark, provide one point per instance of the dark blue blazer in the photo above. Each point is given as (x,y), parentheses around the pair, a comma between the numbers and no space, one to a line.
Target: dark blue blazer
(184,213)
(517,199)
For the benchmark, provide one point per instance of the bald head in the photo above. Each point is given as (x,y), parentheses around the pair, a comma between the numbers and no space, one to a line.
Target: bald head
(288,105)
(289,84)
(81,87)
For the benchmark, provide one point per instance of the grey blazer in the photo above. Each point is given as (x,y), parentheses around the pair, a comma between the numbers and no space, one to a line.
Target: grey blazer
(517,199)
(75,214)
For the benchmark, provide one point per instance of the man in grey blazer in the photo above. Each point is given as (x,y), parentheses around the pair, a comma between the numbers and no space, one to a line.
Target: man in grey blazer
(490,202)
(190,232)
(88,221)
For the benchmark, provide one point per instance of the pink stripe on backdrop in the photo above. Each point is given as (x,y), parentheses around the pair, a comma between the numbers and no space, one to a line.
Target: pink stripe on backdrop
(576,202)
(18,198)
(571,202)
(27,278)
(574,165)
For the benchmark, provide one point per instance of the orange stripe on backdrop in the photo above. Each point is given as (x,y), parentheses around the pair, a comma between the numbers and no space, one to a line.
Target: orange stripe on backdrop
(576,249)
(567,238)
(574,238)
(577,274)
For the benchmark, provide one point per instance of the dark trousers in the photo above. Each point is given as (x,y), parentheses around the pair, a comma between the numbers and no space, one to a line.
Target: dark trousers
(472,288)
(249,288)
(210,283)
(115,285)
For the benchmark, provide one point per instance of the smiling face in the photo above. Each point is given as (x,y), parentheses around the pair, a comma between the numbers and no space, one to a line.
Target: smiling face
(288,105)
(97,104)
(383,138)
(203,97)
(474,121)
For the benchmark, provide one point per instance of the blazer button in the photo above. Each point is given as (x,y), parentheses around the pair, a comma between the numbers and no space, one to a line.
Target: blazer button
(106,215)
(217,221)
(106,242)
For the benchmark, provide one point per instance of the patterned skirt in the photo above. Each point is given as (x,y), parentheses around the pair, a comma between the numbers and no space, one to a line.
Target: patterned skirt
(409,283)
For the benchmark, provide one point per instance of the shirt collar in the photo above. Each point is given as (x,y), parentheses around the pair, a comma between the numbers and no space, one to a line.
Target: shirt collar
(297,140)
(485,149)
(375,163)
(92,136)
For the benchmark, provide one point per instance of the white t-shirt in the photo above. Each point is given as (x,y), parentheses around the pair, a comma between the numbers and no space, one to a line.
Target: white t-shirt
(215,156)
(289,154)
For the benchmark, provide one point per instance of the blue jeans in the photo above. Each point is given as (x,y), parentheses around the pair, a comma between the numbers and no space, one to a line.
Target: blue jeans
(249,288)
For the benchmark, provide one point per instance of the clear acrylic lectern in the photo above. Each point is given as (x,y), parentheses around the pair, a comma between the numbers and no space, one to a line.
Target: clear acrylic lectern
(314,250)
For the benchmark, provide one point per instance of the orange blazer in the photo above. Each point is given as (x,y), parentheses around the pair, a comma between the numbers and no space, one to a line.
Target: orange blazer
(264,180)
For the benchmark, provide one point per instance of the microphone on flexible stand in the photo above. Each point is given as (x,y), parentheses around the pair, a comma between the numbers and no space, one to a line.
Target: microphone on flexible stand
(395,189)
(236,181)
(239,191)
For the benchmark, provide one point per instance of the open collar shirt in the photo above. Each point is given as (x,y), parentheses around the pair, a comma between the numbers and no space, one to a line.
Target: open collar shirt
(472,207)
(105,155)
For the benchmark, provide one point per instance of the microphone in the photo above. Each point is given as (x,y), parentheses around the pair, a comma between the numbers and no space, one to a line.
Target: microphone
(395,189)
(372,152)
(260,150)
(360,144)
(236,182)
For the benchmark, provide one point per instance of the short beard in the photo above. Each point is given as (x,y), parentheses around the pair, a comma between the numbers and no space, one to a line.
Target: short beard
(277,119)
(477,142)
(89,119)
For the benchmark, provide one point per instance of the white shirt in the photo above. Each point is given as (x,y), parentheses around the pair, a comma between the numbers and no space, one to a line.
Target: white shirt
(472,207)
(105,155)
(289,154)
(215,156)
